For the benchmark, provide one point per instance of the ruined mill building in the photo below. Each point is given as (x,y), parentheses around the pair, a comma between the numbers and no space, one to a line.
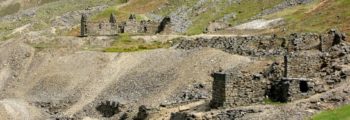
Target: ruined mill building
(114,27)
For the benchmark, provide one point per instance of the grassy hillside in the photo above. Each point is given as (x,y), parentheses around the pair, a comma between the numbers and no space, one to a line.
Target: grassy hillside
(319,16)
(213,10)
(245,10)
(16,5)
(10,9)
(46,12)
(124,43)
(342,113)
(138,7)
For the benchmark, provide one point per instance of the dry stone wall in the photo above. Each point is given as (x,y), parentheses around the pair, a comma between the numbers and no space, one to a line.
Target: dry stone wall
(269,45)
(248,46)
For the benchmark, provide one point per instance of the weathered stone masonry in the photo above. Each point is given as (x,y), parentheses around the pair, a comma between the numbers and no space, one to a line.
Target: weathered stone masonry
(313,65)
(235,89)
(114,27)
(219,90)
(83,26)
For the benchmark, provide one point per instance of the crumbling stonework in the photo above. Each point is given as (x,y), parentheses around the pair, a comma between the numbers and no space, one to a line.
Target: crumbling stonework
(304,41)
(108,108)
(235,88)
(113,27)
(163,26)
(248,46)
(98,28)
(83,27)
(270,45)
(101,29)
(219,90)
(131,25)
(313,65)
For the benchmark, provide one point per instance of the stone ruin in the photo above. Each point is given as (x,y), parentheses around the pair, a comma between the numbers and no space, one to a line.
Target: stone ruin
(83,26)
(114,27)
(108,109)
(303,65)
(232,89)
(163,25)
(98,28)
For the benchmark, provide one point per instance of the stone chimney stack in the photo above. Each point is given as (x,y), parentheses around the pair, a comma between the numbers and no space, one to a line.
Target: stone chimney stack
(83,26)
(112,19)
(285,74)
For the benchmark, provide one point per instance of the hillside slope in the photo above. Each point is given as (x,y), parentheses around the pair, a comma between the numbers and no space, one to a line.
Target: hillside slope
(140,78)
(8,7)
(48,73)
(319,16)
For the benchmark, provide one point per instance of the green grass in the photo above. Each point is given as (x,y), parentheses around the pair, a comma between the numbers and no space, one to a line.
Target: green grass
(137,7)
(342,113)
(105,14)
(309,18)
(245,10)
(15,7)
(124,43)
(271,102)
(10,9)
(46,12)
(174,5)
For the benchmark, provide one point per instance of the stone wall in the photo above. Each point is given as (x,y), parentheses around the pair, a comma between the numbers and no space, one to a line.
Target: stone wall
(113,27)
(268,45)
(235,88)
(219,90)
(242,90)
(132,26)
(96,29)
(248,46)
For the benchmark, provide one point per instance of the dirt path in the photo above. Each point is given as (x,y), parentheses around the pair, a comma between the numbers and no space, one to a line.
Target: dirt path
(318,6)
(124,4)
(20,29)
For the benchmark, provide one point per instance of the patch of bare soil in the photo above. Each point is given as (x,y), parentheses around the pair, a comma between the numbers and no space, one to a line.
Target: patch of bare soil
(318,6)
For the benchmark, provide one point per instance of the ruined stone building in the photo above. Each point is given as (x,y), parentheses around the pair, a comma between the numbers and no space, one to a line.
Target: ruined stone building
(114,27)
(309,64)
